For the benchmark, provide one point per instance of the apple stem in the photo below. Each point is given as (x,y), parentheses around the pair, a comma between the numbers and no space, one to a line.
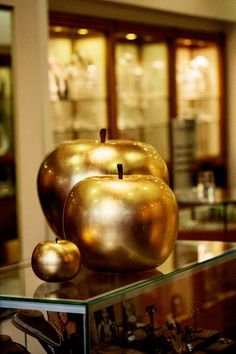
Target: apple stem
(103,134)
(56,239)
(120,170)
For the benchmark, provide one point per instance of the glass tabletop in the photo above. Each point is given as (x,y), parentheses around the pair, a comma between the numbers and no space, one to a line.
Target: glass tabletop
(19,281)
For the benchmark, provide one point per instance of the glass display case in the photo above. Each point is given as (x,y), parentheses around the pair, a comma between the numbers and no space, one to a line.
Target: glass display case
(77,82)
(188,301)
(135,80)
(199,91)
(142,90)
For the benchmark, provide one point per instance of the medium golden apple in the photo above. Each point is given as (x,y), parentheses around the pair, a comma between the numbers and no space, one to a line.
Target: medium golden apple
(56,261)
(124,223)
(72,161)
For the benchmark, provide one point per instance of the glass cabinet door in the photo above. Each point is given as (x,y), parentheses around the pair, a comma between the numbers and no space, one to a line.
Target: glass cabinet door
(142,91)
(77,82)
(140,83)
(199,92)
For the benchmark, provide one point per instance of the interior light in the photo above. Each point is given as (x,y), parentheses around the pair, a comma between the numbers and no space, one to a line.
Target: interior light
(200,61)
(131,36)
(83,31)
(57,29)
(187,42)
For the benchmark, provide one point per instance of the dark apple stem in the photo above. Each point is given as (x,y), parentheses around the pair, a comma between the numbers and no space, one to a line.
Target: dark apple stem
(103,135)
(120,170)
(56,239)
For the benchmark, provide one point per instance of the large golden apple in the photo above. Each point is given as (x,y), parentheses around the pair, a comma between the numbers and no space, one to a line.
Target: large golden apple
(72,161)
(56,261)
(120,224)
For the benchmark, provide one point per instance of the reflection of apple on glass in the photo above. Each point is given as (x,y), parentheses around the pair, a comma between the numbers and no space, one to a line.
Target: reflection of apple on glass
(56,261)
(121,223)
(74,160)
(88,283)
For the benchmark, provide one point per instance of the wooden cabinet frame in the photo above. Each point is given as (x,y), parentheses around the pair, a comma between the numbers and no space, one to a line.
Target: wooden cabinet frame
(110,28)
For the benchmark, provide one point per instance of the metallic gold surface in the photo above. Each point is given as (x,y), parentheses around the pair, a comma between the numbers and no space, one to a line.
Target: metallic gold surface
(127,224)
(74,160)
(56,261)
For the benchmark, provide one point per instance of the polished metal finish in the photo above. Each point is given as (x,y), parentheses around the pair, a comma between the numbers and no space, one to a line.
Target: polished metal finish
(56,261)
(126,224)
(74,160)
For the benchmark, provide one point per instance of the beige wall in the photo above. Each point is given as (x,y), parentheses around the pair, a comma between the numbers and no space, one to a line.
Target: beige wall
(30,113)
(116,10)
(214,9)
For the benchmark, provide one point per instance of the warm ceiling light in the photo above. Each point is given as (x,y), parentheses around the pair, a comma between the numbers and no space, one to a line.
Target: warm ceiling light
(83,31)
(187,42)
(57,29)
(131,36)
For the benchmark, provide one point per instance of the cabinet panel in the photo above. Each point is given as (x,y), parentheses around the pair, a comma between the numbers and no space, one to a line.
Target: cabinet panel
(199,92)
(143,92)
(77,83)
(148,76)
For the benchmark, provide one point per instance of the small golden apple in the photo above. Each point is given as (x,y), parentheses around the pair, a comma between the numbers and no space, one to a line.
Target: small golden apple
(56,261)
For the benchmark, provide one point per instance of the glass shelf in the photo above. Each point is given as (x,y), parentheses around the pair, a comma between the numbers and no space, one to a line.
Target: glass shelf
(92,287)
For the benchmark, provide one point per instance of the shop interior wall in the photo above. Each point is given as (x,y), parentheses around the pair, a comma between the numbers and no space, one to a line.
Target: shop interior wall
(29,57)
(209,15)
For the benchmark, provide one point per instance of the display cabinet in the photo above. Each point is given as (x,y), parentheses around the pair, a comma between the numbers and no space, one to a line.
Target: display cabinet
(209,219)
(77,82)
(189,301)
(135,80)
(200,91)
(142,88)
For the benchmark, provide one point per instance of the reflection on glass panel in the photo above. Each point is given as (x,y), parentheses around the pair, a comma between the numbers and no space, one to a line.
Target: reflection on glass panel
(129,75)
(142,89)
(198,93)
(155,96)
(78,119)
(77,83)
(155,65)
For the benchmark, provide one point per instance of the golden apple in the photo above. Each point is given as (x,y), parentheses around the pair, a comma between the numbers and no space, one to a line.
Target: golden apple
(128,223)
(72,161)
(56,261)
